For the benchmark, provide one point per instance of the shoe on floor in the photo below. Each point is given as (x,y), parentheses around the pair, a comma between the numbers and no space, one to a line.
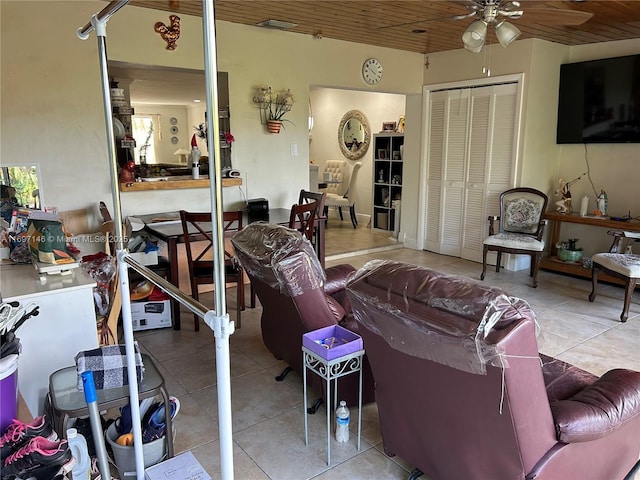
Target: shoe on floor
(18,433)
(124,424)
(53,472)
(40,458)
(154,427)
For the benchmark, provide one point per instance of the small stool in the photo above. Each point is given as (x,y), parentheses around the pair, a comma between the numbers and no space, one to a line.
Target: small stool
(68,402)
(625,266)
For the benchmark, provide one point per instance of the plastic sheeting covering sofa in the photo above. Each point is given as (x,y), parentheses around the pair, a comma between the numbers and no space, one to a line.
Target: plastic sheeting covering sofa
(462,392)
(297,296)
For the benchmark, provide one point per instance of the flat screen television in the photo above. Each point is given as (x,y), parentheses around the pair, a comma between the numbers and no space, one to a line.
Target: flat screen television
(599,101)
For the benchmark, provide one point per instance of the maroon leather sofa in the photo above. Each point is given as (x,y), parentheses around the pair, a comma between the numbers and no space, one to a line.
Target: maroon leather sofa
(463,393)
(297,296)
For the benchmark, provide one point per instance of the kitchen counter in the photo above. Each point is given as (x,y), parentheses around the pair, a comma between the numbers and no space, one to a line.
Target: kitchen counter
(21,282)
(176,182)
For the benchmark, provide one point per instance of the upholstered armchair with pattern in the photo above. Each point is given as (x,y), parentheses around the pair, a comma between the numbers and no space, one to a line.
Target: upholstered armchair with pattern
(520,228)
(620,263)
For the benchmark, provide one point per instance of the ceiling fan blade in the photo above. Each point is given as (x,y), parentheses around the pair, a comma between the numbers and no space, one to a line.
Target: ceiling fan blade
(462,17)
(514,14)
(555,16)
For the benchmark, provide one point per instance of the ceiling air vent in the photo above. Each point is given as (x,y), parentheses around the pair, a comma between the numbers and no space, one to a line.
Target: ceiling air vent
(279,24)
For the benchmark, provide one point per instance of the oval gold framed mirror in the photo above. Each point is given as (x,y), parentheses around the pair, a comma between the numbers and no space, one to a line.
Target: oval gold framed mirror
(354,135)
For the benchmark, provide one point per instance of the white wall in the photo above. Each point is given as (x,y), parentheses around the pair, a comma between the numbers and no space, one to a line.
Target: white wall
(52,110)
(329,105)
(613,167)
(616,168)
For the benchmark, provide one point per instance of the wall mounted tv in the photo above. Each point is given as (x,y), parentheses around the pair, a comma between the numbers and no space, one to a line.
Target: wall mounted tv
(599,101)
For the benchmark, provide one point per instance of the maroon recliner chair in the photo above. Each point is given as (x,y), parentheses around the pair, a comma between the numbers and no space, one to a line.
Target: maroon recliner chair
(297,296)
(463,393)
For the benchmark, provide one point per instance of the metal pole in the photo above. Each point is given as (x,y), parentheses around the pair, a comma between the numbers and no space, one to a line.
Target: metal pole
(101,36)
(91,397)
(98,23)
(173,291)
(127,325)
(219,323)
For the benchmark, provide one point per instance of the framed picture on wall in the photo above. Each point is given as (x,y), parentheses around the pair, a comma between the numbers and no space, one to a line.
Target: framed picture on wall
(382,154)
(389,127)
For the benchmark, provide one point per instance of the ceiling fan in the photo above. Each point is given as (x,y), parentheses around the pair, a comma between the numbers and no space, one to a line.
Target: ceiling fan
(496,13)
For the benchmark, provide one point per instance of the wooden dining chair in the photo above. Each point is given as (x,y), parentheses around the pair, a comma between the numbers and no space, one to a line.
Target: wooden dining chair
(303,218)
(307,197)
(320,199)
(197,228)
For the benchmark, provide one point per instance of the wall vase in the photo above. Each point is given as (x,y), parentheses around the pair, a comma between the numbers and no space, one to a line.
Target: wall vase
(274,126)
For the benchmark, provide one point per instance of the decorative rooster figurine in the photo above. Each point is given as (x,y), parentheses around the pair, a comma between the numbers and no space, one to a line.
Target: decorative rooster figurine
(169,34)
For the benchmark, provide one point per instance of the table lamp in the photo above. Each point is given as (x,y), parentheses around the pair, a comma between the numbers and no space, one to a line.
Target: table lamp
(182,153)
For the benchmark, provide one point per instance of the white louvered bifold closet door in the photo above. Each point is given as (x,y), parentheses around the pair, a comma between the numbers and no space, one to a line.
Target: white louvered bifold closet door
(471,160)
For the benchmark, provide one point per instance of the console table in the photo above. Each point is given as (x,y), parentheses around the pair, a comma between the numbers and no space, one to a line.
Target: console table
(556,219)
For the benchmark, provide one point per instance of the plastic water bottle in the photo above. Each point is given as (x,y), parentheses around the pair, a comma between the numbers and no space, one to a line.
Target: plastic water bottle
(79,450)
(342,423)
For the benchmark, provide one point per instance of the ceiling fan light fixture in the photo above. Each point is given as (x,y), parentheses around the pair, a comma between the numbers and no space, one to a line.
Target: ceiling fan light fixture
(474,36)
(506,33)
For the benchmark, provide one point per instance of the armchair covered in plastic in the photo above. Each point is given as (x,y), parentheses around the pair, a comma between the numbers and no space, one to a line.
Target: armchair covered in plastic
(462,391)
(297,296)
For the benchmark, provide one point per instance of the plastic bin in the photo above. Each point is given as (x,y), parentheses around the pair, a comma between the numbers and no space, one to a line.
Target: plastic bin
(343,342)
(125,457)
(8,390)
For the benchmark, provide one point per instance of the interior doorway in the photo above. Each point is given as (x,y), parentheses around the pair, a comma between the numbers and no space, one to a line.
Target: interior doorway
(327,107)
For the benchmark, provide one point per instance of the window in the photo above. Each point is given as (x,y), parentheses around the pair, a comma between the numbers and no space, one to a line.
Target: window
(23,183)
(143,129)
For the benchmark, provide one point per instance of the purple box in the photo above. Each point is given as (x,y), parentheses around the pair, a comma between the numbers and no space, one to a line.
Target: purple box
(344,342)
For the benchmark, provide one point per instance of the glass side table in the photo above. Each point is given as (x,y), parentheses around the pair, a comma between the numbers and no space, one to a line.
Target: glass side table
(68,402)
(332,370)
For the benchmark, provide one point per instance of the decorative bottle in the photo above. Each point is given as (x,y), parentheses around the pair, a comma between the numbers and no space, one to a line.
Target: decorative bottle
(195,158)
(342,423)
(80,451)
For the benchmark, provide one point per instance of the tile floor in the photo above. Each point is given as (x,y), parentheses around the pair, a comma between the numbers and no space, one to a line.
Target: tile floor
(268,426)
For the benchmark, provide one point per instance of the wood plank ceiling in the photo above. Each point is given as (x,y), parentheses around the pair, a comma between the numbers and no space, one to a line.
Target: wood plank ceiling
(419,25)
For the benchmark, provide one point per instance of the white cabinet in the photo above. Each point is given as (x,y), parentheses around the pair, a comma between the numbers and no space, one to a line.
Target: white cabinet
(66,325)
(387,180)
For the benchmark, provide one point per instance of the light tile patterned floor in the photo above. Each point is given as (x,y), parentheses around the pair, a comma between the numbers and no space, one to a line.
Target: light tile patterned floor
(268,432)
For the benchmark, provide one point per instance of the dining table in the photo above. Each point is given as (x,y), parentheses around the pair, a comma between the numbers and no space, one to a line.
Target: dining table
(167,227)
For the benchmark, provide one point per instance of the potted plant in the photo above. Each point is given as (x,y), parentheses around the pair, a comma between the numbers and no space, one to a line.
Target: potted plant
(273,107)
(568,251)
